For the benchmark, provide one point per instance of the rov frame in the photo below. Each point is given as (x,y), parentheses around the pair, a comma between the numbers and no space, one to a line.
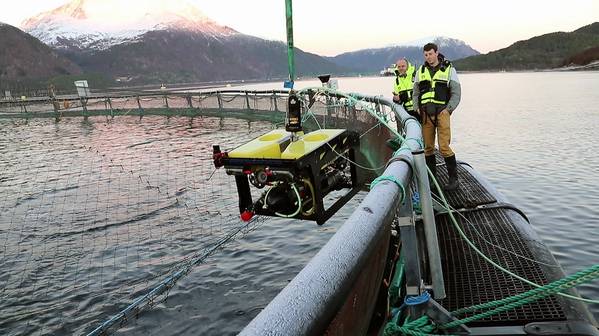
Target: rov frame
(311,166)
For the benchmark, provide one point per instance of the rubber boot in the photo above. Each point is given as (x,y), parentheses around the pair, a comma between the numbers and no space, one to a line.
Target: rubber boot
(452,173)
(431,163)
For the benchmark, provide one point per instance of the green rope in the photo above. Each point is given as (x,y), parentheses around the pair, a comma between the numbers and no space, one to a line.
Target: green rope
(423,325)
(418,141)
(418,327)
(583,276)
(392,179)
(309,114)
(489,260)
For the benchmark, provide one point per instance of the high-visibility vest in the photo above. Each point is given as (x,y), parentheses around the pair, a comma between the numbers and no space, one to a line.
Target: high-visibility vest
(436,89)
(404,86)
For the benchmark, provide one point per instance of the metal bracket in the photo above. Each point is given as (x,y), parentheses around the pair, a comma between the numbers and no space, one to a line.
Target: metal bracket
(409,243)
(439,315)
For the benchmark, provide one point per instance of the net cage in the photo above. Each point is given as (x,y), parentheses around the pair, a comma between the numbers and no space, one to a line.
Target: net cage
(105,207)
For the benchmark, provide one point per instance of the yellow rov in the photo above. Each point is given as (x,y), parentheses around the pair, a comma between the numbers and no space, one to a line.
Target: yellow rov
(298,170)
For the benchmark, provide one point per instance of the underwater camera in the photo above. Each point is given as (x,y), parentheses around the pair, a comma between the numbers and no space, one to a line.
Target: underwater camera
(296,170)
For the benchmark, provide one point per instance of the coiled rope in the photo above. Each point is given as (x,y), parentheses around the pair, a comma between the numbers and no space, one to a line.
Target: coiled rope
(424,326)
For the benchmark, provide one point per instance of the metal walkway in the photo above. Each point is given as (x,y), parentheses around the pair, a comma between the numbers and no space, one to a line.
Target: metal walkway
(470,194)
(469,279)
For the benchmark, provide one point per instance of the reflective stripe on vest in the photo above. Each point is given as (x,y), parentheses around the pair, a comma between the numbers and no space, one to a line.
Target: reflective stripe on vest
(434,90)
(404,86)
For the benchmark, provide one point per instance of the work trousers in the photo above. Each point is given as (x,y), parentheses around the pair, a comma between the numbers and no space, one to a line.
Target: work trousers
(442,130)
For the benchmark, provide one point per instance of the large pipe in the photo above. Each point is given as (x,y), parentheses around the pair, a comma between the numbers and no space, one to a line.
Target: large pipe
(413,132)
(430,228)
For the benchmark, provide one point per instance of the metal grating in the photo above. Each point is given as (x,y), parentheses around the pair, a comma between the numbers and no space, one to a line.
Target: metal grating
(470,280)
(470,192)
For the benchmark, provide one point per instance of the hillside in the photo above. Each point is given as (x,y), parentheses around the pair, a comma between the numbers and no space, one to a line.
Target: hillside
(180,56)
(540,52)
(23,57)
(583,58)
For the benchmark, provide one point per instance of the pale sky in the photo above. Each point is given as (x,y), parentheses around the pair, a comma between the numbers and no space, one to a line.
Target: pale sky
(335,26)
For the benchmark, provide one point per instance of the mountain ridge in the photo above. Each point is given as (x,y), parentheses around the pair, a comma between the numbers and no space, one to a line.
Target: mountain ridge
(172,41)
(375,59)
(23,57)
(180,56)
(163,41)
(547,51)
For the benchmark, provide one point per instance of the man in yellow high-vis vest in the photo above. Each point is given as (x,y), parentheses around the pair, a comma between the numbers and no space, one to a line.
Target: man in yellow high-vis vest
(404,86)
(436,95)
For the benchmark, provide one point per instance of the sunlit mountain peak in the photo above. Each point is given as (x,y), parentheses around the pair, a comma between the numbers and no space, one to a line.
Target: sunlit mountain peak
(102,23)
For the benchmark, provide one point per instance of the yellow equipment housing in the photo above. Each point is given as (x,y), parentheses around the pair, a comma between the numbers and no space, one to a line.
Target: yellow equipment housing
(277,144)
(296,174)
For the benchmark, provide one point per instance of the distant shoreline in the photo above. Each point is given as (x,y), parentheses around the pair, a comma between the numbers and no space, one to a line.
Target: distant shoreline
(593,66)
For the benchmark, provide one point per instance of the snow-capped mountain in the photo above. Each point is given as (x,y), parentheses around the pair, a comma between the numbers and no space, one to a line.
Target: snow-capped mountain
(374,60)
(441,41)
(100,24)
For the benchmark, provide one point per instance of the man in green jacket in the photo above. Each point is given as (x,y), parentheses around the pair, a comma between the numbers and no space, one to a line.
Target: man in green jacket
(404,86)
(436,95)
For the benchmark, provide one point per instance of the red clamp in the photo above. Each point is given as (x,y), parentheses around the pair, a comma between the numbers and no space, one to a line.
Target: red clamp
(218,156)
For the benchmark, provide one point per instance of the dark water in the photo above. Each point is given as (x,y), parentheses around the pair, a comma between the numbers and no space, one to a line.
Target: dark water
(531,134)
(534,136)
(93,214)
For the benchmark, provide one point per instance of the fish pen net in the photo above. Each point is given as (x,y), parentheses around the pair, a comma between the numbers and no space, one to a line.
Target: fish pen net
(97,213)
